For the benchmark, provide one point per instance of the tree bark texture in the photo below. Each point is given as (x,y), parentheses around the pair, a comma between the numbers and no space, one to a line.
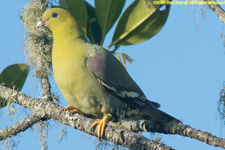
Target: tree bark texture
(123,135)
(216,8)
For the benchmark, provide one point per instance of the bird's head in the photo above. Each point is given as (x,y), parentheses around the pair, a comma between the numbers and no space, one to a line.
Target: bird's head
(54,18)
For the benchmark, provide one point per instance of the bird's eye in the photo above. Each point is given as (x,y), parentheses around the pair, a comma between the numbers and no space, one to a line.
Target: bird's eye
(54,15)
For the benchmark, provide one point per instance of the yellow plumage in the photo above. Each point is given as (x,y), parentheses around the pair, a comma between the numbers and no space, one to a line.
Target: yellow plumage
(91,79)
(69,67)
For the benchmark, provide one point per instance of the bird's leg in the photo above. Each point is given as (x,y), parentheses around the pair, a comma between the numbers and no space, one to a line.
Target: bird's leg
(74,110)
(102,123)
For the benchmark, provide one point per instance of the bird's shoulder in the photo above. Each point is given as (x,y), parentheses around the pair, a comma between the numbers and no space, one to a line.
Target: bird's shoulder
(113,77)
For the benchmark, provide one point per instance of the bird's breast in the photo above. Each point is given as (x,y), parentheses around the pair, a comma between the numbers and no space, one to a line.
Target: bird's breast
(77,85)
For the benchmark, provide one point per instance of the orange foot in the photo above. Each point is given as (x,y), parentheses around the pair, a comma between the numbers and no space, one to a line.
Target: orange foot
(102,123)
(74,110)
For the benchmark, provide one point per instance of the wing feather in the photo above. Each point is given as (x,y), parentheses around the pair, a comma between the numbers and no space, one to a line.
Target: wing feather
(114,78)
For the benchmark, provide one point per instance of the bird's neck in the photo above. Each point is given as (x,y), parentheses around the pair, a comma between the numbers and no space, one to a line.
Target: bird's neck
(69,29)
(67,39)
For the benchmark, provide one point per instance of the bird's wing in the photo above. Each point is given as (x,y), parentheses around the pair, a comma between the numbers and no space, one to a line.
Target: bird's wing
(113,77)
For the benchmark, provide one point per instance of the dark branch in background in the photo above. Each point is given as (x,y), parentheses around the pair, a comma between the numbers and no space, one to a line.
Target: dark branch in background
(22,125)
(118,136)
(216,8)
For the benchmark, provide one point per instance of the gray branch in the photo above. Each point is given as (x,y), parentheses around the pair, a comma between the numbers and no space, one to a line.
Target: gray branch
(38,44)
(41,71)
(50,110)
(22,125)
(216,8)
(125,137)
(171,128)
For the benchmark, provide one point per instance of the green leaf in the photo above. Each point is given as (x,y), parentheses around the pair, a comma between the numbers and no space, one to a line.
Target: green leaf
(140,21)
(108,12)
(78,10)
(93,27)
(13,77)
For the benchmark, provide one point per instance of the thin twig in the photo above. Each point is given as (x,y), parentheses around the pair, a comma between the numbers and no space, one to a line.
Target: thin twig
(22,125)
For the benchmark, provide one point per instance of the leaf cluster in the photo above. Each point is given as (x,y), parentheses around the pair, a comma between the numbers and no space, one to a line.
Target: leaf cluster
(141,20)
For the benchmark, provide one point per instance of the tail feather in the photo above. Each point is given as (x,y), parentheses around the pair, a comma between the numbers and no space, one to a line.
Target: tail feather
(158,115)
(167,117)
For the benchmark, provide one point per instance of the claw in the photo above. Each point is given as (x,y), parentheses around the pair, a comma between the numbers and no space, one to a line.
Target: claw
(101,127)
(74,110)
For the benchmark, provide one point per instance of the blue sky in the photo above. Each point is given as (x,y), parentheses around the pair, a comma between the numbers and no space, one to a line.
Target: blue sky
(181,68)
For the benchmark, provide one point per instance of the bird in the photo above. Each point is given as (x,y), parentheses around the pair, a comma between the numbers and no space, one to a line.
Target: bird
(92,80)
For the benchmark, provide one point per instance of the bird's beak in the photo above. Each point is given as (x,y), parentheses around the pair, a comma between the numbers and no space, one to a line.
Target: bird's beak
(41,23)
